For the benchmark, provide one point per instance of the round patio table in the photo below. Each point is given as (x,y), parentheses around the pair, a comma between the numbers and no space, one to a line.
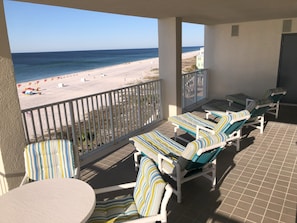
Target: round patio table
(53,200)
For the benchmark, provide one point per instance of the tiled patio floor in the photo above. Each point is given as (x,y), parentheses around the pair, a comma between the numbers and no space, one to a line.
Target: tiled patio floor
(256,184)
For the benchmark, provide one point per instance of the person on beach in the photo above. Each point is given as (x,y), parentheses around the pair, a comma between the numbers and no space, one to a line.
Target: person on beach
(31,91)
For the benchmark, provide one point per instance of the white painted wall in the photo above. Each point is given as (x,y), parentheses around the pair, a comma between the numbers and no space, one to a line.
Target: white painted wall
(169,30)
(245,63)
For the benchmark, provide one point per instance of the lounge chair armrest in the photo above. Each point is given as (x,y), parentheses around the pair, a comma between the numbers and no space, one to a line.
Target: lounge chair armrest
(248,101)
(162,158)
(115,188)
(198,128)
(229,112)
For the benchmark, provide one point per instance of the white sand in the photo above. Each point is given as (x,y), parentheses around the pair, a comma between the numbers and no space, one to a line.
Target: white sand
(90,82)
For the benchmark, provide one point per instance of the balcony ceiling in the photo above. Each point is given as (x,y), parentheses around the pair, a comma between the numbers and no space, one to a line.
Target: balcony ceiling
(194,11)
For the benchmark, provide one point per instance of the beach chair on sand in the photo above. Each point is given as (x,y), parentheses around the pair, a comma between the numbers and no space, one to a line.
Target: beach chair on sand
(181,163)
(198,127)
(257,109)
(274,94)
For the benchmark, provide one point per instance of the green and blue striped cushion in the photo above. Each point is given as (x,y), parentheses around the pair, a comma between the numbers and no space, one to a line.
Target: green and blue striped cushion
(146,200)
(232,122)
(227,124)
(153,143)
(149,188)
(116,210)
(49,159)
(189,121)
(202,151)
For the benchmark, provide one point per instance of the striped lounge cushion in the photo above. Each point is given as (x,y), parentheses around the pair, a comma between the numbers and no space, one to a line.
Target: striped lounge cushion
(49,159)
(149,189)
(153,143)
(147,194)
(232,122)
(202,151)
(116,210)
(189,121)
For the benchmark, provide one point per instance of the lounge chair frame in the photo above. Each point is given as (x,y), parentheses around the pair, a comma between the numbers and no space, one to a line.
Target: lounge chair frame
(181,175)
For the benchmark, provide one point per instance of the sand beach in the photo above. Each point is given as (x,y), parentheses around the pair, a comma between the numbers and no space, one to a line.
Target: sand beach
(54,89)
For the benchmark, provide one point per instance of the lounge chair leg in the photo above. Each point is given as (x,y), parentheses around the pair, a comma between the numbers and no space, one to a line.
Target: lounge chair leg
(276,110)
(214,174)
(136,160)
(175,133)
(237,145)
(262,124)
(178,184)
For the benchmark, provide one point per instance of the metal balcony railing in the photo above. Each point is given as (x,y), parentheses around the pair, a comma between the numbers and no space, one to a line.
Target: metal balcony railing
(98,120)
(194,88)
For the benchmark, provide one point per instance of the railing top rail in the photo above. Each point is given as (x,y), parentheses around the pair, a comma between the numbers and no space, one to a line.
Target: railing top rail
(199,71)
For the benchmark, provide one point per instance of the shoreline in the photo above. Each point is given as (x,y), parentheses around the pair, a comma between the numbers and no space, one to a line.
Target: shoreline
(78,84)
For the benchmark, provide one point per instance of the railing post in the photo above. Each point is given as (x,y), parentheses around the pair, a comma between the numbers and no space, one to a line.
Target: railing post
(72,120)
(161,96)
(139,106)
(196,85)
(183,91)
(111,116)
(205,83)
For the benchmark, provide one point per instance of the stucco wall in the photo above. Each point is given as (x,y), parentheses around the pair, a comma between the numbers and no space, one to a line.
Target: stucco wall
(245,63)
(12,138)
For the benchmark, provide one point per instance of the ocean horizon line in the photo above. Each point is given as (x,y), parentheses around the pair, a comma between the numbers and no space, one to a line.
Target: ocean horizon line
(61,51)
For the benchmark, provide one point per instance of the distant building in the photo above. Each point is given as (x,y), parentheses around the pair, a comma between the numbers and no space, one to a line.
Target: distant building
(200,58)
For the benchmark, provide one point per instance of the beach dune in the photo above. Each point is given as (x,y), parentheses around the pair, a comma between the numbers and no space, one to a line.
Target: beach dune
(89,82)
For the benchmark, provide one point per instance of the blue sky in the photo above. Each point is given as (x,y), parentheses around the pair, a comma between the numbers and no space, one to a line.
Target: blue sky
(38,28)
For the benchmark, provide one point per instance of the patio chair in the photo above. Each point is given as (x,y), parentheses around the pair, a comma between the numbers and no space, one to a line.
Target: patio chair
(274,94)
(50,159)
(198,127)
(147,204)
(181,163)
(257,109)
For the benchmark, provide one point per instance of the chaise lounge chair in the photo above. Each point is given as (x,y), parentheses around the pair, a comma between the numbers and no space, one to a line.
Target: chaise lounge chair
(181,163)
(274,95)
(147,204)
(198,127)
(257,109)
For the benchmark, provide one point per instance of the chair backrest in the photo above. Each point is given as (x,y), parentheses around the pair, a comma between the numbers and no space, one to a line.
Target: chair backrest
(259,107)
(275,94)
(50,159)
(202,151)
(232,122)
(149,189)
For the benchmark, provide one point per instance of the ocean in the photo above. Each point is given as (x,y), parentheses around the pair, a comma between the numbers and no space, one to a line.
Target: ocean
(36,66)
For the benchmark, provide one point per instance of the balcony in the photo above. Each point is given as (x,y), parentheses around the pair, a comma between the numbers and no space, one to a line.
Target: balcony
(256,184)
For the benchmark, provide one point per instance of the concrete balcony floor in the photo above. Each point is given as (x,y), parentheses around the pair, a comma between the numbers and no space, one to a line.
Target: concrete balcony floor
(256,184)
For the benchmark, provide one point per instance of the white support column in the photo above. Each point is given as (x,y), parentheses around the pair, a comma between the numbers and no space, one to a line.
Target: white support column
(12,138)
(170,50)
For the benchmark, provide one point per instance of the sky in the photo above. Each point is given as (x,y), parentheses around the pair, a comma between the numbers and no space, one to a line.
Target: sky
(41,28)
